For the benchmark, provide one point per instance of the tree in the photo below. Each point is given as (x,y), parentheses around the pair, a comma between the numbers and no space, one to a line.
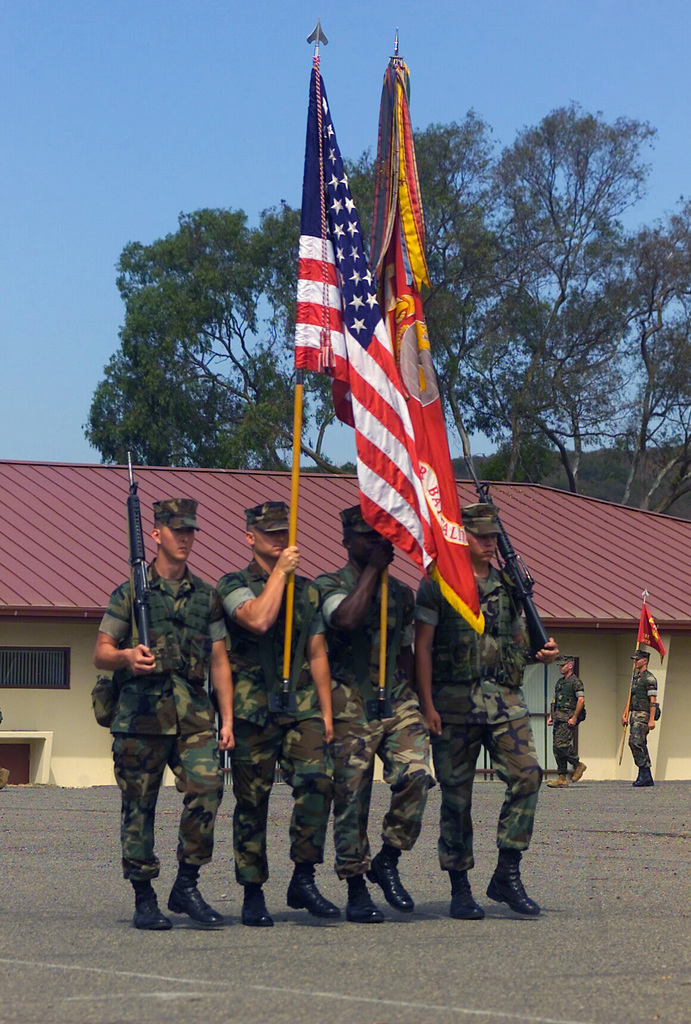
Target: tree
(203,375)
(658,430)
(548,359)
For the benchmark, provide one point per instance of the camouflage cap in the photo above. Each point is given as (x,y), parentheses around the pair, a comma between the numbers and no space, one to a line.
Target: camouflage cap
(352,520)
(564,658)
(269,517)
(640,653)
(480,519)
(176,513)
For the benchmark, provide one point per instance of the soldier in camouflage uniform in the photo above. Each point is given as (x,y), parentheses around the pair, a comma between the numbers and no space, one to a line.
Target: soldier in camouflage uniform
(641,716)
(164,716)
(293,733)
(470,692)
(569,700)
(362,729)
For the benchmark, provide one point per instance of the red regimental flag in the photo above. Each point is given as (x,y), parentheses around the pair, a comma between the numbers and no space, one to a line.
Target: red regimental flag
(648,634)
(399,226)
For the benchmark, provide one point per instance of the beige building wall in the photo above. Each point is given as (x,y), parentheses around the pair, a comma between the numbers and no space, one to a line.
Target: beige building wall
(80,754)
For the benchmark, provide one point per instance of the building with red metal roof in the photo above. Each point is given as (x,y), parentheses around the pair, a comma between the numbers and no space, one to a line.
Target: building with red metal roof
(64,549)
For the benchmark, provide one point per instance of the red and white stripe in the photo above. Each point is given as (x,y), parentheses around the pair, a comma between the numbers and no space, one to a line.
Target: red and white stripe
(392,497)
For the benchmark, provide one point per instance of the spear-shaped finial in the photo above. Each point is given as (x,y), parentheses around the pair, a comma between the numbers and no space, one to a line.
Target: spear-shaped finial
(317,37)
(395,43)
(644,595)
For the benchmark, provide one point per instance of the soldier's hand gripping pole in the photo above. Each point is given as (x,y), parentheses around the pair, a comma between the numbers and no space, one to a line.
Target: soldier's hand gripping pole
(138,560)
(514,566)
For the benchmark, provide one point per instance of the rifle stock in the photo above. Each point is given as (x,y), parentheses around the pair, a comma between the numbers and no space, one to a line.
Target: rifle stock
(138,560)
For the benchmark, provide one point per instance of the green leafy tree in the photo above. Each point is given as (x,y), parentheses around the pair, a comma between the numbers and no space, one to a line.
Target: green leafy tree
(204,374)
(549,359)
(658,430)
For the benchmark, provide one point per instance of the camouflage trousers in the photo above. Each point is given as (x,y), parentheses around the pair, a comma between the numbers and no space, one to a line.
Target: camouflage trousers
(299,748)
(638,738)
(455,753)
(564,744)
(402,742)
(140,762)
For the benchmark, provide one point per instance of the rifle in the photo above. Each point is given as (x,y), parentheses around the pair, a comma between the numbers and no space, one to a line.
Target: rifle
(514,566)
(138,560)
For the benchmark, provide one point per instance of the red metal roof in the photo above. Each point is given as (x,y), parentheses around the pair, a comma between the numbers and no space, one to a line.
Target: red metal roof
(64,539)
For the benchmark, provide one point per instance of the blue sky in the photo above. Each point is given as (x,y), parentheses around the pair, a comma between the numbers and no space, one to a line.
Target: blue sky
(117,116)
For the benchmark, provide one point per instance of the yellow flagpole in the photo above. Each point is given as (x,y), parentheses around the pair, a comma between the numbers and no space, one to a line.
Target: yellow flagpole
(626,715)
(383,623)
(293,527)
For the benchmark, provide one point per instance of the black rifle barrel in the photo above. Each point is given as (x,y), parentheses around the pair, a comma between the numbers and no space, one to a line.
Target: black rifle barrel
(138,560)
(514,566)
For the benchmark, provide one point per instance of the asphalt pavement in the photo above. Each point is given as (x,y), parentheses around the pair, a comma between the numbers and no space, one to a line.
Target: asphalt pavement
(609,865)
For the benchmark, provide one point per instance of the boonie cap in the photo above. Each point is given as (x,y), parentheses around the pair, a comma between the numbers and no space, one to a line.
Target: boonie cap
(269,517)
(480,519)
(177,513)
(352,520)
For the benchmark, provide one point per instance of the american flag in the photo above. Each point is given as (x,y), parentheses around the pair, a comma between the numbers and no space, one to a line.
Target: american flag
(340,331)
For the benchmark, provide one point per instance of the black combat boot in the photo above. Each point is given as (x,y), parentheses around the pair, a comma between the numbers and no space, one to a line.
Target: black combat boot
(637,781)
(254,912)
(185,898)
(463,906)
(646,778)
(303,894)
(384,871)
(360,907)
(146,912)
(506,887)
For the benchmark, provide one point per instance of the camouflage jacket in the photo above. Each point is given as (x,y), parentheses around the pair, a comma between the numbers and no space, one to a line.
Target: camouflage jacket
(257,660)
(566,693)
(183,627)
(643,687)
(476,679)
(354,656)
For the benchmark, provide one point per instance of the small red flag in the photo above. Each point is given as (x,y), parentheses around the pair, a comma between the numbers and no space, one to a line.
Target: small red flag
(648,634)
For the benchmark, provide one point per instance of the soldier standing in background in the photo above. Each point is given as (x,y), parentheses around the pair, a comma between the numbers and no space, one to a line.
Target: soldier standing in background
(470,691)
(297,738)
(164,715)
(351,613)
(641,717)
(569,701)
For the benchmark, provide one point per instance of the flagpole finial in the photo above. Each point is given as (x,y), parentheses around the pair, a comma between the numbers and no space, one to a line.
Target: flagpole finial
(317,36)
(395,43)
(644,595)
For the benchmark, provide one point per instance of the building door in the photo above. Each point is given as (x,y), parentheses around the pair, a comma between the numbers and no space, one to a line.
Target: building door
(16,757)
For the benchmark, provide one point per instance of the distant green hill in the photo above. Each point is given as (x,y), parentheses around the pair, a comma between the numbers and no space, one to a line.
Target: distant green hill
(602,474)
